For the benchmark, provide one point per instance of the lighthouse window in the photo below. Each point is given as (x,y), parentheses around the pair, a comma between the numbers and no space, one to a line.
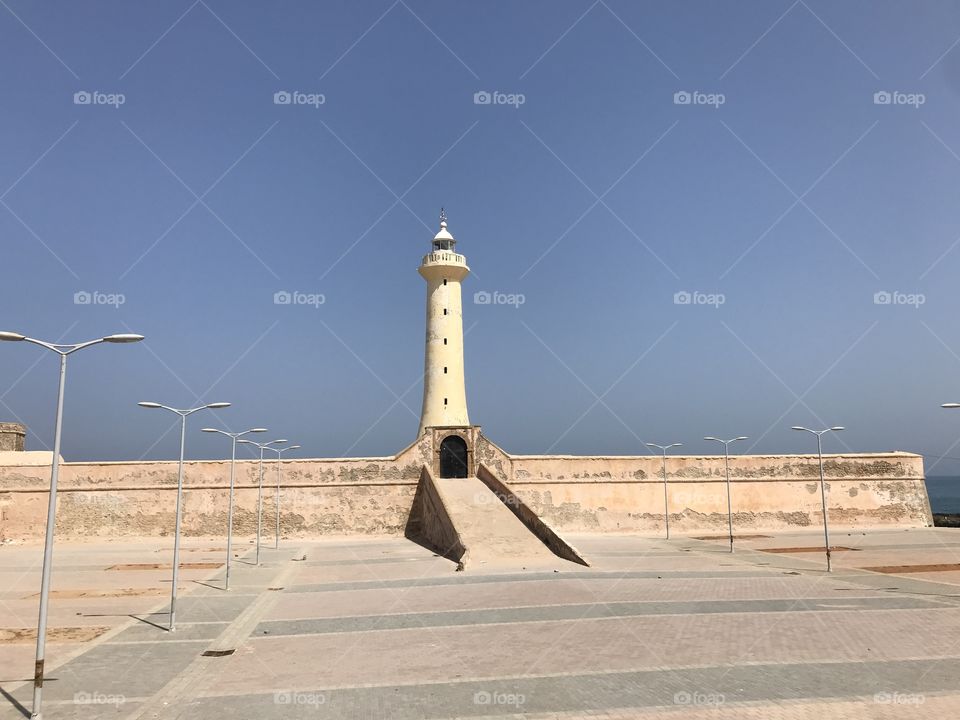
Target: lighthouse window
(444,402)
(444,281)
(444,341)
(444,369)
(444,311)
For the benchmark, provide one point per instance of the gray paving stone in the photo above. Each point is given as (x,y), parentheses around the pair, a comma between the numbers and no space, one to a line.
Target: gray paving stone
(209,608)
(462,579)
(944,592)
(798,659)
(583,611)
(722,686)
(131,670)
(85,708)
(143,632)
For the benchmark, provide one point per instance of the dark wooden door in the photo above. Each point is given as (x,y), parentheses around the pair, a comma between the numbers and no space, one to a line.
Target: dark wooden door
(453,457)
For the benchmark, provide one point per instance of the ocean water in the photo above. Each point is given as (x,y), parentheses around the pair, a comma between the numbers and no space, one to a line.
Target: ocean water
(944,494)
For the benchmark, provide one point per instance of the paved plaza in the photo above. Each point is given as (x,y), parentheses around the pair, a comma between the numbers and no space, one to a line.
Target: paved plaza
(382,628)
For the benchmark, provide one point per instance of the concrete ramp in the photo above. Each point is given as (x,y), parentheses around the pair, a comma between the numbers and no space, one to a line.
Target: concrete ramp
(430,525)
(466,521)
(525,514)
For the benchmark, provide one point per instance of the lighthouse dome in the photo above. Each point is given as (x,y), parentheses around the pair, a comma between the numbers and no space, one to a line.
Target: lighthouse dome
(443,240)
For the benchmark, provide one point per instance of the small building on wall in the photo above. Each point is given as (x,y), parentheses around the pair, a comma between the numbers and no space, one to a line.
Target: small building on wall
(12,437)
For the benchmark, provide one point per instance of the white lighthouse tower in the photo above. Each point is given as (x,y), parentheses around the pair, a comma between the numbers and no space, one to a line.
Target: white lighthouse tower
(444,390)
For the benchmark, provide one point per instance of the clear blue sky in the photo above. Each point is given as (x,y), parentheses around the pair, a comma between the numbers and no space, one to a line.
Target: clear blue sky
(797,200)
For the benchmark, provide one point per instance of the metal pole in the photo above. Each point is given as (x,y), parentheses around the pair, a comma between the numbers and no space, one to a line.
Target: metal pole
(176,535)
(726,461)
(259,506)
(666,507)
(276,544)
(62,351)
(37,713)
(233,462)
(823,499)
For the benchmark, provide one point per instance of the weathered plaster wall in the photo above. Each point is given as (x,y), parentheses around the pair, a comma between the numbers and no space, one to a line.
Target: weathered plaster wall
(343,496)
(625,494)
(375,495)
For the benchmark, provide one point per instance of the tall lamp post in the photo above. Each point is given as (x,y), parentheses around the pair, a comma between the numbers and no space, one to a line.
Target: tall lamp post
(666,504)
(233,463)
(726,464)
(262,446)
(278,451)
(62,350)
(823,492)
(176,535)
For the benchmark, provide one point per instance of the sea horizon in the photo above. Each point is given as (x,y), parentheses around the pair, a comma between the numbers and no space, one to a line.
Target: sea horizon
(944,493)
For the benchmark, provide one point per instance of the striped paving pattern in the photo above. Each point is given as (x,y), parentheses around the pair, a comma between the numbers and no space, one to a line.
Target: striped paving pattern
(382,628)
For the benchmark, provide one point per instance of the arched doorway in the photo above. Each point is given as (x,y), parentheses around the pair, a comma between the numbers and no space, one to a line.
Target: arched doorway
(453,457)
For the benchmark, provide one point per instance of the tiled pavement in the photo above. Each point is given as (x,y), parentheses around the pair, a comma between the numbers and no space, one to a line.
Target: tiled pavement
(380,628)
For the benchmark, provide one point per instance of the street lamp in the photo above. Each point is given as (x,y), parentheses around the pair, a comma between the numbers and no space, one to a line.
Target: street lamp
(62,350)
(278,451)
(666,505)
(262,446)
(823,492)
(726,463)
(176,535)
(233,462)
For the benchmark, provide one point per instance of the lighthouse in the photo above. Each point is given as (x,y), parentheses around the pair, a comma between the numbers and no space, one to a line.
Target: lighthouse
(444,390)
